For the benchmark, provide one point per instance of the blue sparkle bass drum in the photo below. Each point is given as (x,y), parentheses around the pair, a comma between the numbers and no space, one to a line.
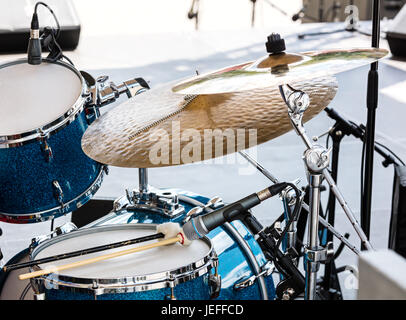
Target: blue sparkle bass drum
(227,265)
(43,115)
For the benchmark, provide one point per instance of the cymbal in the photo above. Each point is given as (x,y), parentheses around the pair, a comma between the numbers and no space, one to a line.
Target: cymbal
(279,69)
(160,128)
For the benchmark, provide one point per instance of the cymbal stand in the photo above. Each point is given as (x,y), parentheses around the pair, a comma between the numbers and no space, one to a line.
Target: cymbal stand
(322,221)
(286,288)
(316,159)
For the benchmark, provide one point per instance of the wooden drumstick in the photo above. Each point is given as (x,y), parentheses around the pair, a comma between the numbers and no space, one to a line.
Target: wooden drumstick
(82,252)
(178,238)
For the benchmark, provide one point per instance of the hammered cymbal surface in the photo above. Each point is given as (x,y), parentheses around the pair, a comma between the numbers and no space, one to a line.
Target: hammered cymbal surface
(279,69)
(127,135)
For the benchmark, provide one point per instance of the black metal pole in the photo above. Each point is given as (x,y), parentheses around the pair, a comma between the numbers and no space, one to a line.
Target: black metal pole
(372,104)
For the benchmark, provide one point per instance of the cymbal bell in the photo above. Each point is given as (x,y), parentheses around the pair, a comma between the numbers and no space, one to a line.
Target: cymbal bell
(279,69)
(160,128)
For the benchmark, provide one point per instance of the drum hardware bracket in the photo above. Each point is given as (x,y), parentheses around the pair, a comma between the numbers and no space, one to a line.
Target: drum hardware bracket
(163,201)
(107,94)
(160,201)
(215,280)
(266,270)
(213,203)
(289,199)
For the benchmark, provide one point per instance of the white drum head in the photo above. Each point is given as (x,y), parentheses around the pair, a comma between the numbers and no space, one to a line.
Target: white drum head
(151,261)
(34,96)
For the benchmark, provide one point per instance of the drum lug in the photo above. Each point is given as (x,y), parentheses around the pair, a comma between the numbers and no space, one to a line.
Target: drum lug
(215,280)
(63,229)
(96,290)
(266,270)
(45,148)
(172,285)
(47,151)
(58,193)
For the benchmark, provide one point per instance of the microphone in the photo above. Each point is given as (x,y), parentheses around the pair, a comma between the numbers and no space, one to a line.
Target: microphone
(298,15)
(34,50)
(198,227)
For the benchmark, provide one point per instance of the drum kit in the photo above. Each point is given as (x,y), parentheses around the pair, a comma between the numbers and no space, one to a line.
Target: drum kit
(56,146)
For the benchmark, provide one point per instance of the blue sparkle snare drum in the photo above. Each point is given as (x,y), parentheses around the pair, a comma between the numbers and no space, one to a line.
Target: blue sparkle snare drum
(162,273)
(43,115)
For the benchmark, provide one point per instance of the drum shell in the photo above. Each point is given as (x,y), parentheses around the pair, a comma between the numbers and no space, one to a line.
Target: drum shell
(27,177)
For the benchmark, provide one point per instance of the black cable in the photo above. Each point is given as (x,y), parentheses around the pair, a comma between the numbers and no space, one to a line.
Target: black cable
(58,30)
(25,291)
(389,150)
(59,53)
(55,35)
(69,60)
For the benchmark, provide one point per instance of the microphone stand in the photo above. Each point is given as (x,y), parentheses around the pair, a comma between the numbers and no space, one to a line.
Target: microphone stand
(341,128)
(372,104)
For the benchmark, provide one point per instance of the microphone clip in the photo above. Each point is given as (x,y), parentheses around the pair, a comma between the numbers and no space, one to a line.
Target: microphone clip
(48,40)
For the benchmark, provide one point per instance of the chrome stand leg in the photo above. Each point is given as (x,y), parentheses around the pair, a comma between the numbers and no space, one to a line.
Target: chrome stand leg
(143,180)
(364,240)
(312,265)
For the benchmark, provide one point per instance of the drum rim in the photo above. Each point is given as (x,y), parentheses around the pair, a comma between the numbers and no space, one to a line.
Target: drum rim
(9,141)
(127,284)
(55,212)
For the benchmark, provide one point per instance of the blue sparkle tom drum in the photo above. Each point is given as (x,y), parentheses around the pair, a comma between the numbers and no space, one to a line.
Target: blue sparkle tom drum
(43,115)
